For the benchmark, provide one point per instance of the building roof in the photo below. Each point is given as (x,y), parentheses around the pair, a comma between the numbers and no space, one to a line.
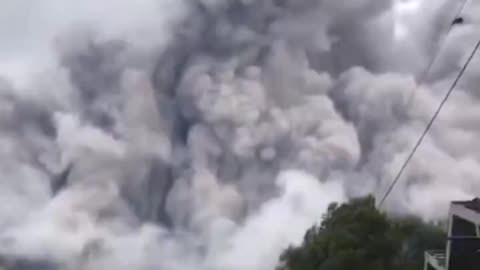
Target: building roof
(473,205)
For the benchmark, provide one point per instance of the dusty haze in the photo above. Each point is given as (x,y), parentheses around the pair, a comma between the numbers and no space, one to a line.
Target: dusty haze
(210,134)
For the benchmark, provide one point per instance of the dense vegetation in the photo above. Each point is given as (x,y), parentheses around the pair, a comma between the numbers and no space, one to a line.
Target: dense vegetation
(356,236)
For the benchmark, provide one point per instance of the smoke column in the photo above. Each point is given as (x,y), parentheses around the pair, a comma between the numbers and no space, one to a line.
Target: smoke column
(210,134)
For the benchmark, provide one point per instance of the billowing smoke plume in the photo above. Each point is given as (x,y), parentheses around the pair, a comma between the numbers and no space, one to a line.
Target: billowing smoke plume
(201,134)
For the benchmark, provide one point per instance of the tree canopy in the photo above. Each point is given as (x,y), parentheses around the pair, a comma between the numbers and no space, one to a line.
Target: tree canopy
(356,236)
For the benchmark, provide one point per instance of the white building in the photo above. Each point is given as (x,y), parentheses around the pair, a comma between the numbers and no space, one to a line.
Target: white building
(462,251)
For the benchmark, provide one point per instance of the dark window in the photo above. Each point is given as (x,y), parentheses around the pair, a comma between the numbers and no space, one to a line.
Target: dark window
(462,227)
(464,254)
(464,245)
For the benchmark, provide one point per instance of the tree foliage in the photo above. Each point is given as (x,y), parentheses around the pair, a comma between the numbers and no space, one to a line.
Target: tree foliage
(356,236)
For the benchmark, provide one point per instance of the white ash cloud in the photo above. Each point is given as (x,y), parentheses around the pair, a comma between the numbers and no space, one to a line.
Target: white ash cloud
(211,134)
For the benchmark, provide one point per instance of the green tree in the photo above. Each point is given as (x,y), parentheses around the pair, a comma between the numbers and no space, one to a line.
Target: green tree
(356,236)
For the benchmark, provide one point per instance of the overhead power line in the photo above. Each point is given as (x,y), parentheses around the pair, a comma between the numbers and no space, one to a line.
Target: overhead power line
(430,123)
(424,75)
